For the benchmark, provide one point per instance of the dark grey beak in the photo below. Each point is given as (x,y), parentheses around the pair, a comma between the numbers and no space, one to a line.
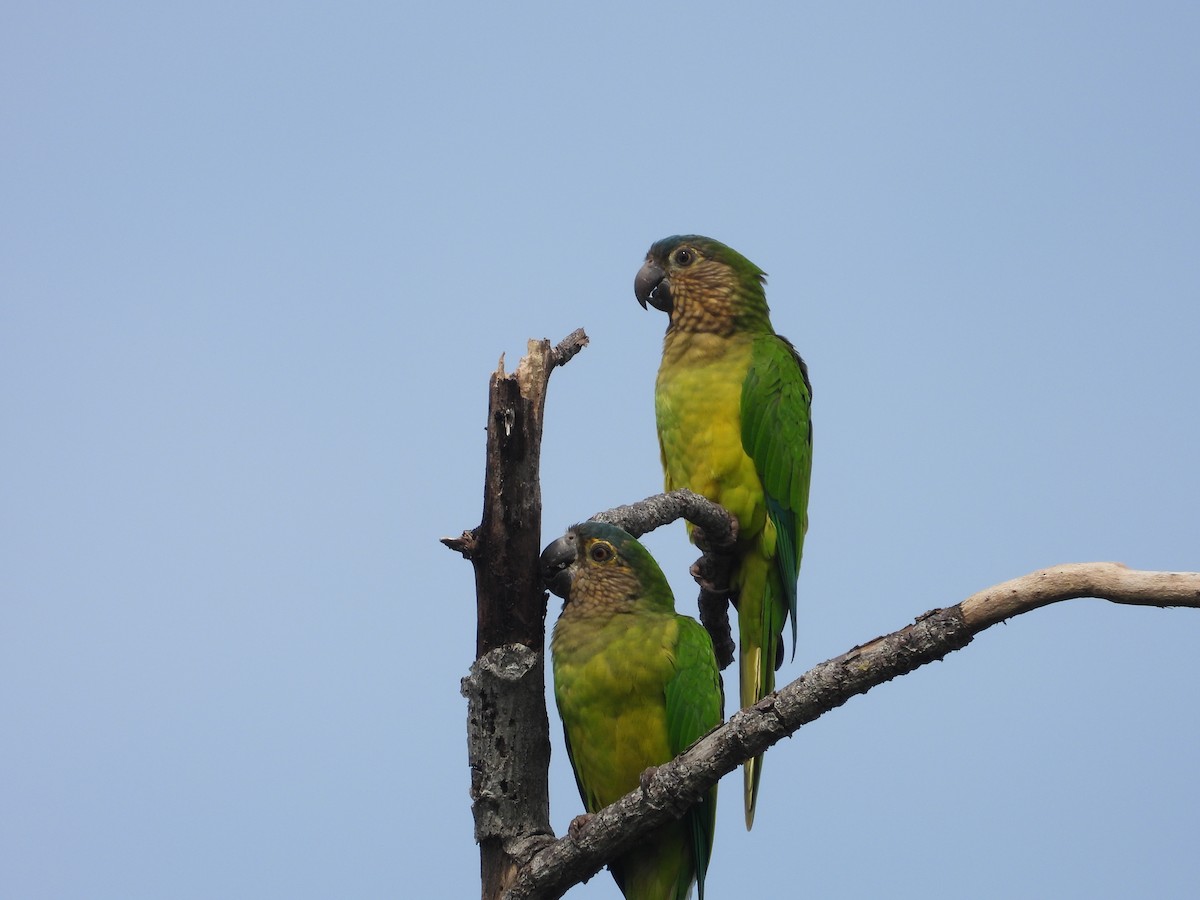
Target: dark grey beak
(555,565)
(651,286)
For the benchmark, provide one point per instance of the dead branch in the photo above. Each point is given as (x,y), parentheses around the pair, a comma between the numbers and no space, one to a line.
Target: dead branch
(719,527)
(508,729)
(556,867)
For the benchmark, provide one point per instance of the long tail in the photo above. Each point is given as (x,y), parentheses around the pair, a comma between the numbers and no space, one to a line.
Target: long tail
(761,612)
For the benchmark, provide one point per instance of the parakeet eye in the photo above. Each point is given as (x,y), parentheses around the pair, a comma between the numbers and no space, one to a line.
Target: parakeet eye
(600,552)
(684,256)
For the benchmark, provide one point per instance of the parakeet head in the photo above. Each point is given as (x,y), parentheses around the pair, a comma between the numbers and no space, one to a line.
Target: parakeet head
(599,565)
(702,285)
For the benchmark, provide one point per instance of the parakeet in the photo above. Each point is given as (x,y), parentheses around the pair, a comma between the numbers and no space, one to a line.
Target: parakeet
(732,400)
(636,684)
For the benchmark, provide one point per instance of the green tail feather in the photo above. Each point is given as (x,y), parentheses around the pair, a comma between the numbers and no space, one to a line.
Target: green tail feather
(761,613)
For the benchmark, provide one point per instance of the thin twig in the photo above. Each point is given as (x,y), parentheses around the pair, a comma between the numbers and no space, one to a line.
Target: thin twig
(565,349)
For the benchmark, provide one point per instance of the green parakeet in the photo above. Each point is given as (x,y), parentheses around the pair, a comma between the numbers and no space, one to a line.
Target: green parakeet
(636,684)
(732,401)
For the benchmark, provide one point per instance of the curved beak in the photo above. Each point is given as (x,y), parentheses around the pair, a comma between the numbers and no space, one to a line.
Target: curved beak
(651,286)
(556,563)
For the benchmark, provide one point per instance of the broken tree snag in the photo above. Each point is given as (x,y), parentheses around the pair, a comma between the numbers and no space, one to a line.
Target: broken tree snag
(511,603)
(508,730)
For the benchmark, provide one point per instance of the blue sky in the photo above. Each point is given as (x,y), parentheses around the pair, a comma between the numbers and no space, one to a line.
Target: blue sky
(258,260)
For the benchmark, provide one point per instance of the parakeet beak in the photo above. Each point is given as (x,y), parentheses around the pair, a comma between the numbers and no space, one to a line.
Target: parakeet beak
(555,565)
(651,286)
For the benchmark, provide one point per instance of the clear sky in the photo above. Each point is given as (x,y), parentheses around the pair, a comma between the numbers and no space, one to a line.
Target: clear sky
(257,261)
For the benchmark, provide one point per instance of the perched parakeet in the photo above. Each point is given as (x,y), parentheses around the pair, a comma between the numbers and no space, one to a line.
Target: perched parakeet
(636,684)
(732,401)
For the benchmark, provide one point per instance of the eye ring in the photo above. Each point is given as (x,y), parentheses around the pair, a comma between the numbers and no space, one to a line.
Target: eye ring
(683,256)
(600,552)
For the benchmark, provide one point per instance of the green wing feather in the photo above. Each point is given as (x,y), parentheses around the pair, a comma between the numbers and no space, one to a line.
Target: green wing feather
(777,436)
(694,707)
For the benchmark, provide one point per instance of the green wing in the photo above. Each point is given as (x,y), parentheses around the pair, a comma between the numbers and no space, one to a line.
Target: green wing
(694,707)
(777,436)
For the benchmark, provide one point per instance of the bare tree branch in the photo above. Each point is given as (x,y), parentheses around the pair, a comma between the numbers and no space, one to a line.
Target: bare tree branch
(676,785)
(1105,581)
(662,509)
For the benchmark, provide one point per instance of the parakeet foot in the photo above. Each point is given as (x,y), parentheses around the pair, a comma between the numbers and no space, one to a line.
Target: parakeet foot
(701,539)
(712,578)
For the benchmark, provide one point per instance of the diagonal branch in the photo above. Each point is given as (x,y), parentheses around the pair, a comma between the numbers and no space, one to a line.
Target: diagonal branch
(673,787)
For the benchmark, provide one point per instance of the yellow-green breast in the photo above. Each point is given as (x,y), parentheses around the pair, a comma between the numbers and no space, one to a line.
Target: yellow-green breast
(698,400)
(610,673)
